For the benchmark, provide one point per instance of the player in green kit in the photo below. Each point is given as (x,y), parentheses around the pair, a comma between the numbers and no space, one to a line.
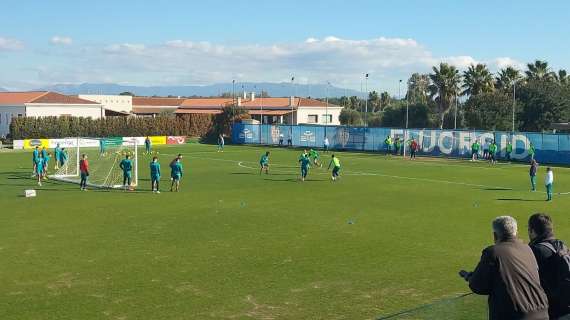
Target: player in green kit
(39,167)
(57,155)
(315,157)
(155,175)
(175,173)
(508,151)
(102,147)
(475,150)
(335,162)
(127,166)
(388,144)
(46,164)
(264,163)
(397,146)
(147,145)
(493,153)
(305,165)
(35,156)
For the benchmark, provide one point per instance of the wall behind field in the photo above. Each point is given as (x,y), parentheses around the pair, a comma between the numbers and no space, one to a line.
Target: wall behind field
(550,148)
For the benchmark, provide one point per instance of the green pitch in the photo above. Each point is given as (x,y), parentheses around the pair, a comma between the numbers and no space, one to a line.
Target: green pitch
(389,236)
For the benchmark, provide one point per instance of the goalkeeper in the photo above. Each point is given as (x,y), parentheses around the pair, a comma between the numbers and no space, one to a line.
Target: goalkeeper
(127,166)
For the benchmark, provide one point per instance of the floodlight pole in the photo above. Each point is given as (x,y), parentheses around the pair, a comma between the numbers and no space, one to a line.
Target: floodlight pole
(514,102)
(366,101)
(234,92)
(455,116)
(326,107)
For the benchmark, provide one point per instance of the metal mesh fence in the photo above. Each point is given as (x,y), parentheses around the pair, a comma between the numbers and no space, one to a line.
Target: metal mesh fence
(548,148)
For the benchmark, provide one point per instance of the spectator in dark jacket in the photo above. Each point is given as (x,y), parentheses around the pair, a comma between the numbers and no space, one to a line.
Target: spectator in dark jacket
(508,274)
(543,245)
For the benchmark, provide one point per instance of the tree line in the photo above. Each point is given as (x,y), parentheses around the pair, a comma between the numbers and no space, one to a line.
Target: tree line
(473,99)
(195,125)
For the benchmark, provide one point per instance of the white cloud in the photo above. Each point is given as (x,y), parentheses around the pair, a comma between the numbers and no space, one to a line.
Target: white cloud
(503,62)
(314,60)
(10,44)
(60,40)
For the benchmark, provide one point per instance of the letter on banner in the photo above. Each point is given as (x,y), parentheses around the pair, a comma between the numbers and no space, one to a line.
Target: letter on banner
(432,142)
(504,139)
(441,144)
(525,144)
(483,138)
(464,144)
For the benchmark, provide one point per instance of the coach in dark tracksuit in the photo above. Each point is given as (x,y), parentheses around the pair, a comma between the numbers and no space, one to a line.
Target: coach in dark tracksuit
(508,274)
(543,244)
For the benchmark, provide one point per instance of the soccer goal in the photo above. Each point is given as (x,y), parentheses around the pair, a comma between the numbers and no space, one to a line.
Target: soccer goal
(104,157)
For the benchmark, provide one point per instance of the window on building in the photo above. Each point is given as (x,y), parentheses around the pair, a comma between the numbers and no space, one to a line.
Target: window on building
(327,118)
(312,118)
(19,115)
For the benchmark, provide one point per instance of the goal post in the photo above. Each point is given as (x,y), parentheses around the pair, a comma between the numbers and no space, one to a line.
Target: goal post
(104,156)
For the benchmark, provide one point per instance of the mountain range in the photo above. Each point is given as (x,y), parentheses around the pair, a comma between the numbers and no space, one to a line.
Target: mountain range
(273,89)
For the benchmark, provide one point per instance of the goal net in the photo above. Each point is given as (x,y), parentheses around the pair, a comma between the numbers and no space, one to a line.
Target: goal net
(104,157)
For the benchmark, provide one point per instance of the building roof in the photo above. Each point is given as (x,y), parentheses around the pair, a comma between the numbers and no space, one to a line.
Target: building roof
(157,102)
(257,103)
(206,102)
(152,110)
(21,98)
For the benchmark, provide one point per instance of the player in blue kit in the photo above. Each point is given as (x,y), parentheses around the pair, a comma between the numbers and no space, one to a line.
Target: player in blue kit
(127,166)
(155,175)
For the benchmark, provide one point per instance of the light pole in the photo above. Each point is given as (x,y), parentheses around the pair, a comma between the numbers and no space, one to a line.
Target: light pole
(366,101)
(234,92)
(327,106)
(514,102)
(455,117)
(399,86)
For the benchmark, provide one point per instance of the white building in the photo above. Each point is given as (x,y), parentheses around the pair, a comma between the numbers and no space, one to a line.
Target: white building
(44,104)
(153,106)
(113,104)
(273,110)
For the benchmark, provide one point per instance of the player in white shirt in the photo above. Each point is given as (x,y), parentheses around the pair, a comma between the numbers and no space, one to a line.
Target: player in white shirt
(548,181)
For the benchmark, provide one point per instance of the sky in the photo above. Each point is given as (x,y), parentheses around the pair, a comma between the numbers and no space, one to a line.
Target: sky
(204,42)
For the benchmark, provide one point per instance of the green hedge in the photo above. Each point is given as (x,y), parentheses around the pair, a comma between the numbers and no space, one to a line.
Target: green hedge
(196,125)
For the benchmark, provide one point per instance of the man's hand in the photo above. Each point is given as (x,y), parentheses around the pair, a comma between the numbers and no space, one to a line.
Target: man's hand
(465,274)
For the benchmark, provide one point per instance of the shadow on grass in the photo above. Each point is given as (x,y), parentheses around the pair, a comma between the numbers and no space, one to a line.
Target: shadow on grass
(497,189)
(518,199)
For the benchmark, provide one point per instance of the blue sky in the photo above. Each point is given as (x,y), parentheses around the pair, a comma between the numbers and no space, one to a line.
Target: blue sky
(202,42)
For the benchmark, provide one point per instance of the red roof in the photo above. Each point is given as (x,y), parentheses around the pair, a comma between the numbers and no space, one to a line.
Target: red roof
(21,98)
(206,102)
(157,102)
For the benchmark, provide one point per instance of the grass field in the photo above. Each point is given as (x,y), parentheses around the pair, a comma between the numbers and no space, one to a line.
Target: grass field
(236,245)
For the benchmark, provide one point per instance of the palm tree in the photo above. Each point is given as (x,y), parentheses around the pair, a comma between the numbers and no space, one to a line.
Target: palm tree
(374,100)
(344,101)
(562,77)
(418,88)
(539,70)
(476,80)
(385,100)
(507,77)
(444,88)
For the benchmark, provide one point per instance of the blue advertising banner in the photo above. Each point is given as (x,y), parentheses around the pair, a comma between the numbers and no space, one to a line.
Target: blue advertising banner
(549,148)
